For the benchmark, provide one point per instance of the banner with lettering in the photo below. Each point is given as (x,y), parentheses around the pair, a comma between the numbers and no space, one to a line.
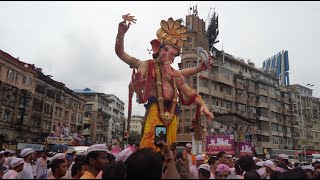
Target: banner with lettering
(217,143)
(244,149)
(37,147)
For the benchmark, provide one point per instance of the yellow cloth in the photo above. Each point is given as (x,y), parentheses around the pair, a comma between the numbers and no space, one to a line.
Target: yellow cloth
(152,120)
(87,175)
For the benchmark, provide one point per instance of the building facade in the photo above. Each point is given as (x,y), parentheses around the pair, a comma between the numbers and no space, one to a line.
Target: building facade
(306,119)
(136,124)
(32,103)
(97,115)
(254,100)
(117,121)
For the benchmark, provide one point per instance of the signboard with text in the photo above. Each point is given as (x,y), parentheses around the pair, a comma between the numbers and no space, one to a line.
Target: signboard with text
(244,149)
(59,140)
(217,143)
(37,147)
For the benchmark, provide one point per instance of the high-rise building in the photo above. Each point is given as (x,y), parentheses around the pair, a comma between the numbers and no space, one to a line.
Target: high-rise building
(244,99)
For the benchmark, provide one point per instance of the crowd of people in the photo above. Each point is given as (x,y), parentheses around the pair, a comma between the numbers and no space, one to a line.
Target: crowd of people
(98,162)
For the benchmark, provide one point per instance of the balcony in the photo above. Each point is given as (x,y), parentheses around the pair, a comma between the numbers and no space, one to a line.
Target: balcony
(239,85)
(251,89)
(285,100)
(223,79)
(251,102)
(287,112)
(262,104)
(240,99)
(252,115)
(261,92)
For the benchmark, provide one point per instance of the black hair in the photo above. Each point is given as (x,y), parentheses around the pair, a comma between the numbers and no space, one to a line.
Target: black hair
(246,163)
(252,174)
(237,168)
(55,164)
(76,167)
(220,154)
(115,170)
(212,160)
(80,158)
(111,157)
(145,163)
(204,173)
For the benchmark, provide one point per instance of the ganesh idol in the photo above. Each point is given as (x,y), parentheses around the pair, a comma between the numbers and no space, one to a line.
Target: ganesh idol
(156,83)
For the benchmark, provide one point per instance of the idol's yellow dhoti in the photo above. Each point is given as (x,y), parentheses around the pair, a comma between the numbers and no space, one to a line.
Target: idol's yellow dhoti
(152,120)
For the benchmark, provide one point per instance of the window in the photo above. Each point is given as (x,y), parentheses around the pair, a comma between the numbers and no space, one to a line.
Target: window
(222,104)
(263,112)
(263,126)
(251,83)
(217,103)
(275,140)
(274,127)
(229,105)
(251,96)
(252,109)
(262,99)
(228,90)
(262,86)
(12,75)
(188,65)
(280,128)
(273,115)
(242,107)
(272,90)
(194,80)
(273,101)
(240,92)
(263,138)
(194,63)
(24,79)
(204,83)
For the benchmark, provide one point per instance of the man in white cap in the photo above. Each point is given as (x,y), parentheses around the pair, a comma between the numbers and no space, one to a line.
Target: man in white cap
(194,169)
(96,160)
(62,156)
(187,154)
(16,165)
(27,155)
(267,157)
(284,160)
(204,171)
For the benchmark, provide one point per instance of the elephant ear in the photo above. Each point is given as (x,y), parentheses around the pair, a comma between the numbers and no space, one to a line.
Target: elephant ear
(155,44)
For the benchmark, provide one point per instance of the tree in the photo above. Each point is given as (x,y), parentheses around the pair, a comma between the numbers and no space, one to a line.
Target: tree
(134,138)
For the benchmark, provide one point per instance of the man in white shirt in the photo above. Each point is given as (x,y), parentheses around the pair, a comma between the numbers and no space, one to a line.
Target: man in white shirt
(41,165)
(194,169)
(27,155)
(16,167)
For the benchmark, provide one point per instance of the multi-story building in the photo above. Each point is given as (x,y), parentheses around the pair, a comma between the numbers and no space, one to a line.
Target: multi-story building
(239,94)
(136,124)
(32,103)
(117,121)
(97,115)
(306,130)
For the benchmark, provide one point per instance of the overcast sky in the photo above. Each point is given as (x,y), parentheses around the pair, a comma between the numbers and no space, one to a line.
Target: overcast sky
(74,41)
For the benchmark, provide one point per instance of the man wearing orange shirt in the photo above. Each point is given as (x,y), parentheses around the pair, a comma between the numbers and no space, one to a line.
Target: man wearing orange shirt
(96,160)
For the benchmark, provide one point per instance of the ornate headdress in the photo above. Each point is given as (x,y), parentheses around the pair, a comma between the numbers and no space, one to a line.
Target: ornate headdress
(172,32)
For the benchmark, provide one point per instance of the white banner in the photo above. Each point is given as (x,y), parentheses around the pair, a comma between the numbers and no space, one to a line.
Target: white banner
(37,147)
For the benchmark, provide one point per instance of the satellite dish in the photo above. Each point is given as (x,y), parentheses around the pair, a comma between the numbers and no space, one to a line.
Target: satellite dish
(203,55)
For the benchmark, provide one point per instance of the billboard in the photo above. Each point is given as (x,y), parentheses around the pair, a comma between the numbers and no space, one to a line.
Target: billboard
(217,143)
(244,149)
